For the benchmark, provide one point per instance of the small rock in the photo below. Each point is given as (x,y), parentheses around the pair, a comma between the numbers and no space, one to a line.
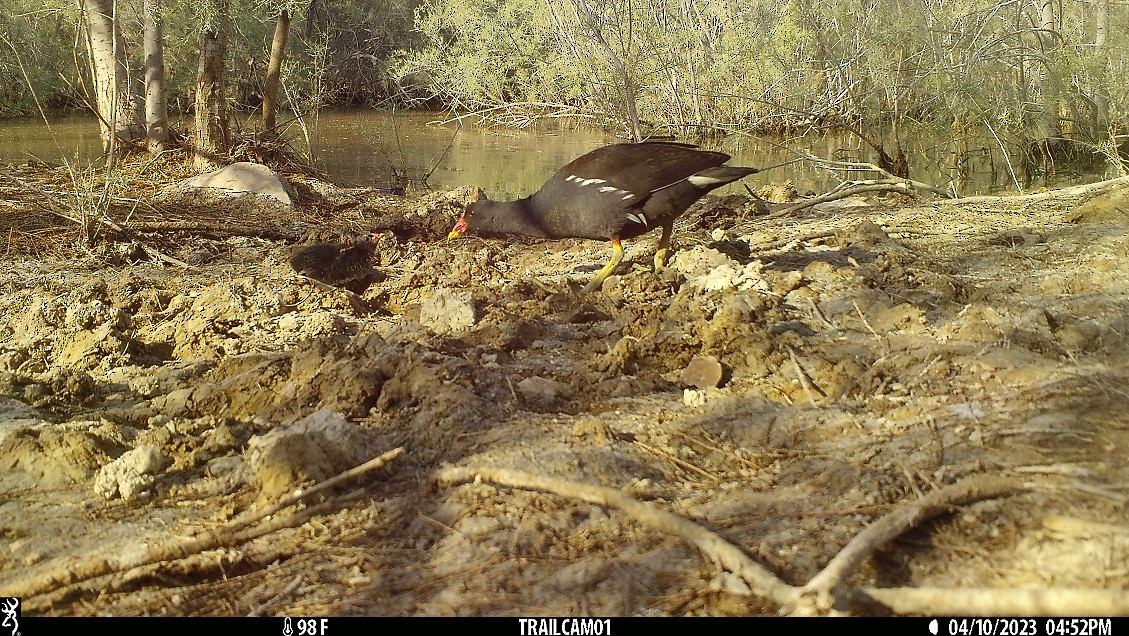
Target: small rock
(541,391)
(310,450)
(131,474)
(690,397)
(447,311)
(703,372)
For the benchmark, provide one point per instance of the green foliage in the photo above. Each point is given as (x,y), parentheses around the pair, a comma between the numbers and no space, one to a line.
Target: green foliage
(361,36)
(32,56)
(767,63)
(689,65)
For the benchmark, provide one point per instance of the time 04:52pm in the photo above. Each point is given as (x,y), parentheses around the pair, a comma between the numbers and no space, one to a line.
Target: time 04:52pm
(1030,627)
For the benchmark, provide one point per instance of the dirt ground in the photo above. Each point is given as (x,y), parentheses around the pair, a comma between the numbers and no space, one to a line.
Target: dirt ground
(871,351)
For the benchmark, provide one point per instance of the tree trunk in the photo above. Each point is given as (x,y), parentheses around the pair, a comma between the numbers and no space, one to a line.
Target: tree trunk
(274,69)
(1048,97)
(1101,95)
(212,138)
(156,94)
(109,71)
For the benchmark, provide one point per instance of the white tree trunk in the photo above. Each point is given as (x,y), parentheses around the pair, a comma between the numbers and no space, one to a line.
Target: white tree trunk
(110,72)
(156,94)
(1048,97)
(1101,48)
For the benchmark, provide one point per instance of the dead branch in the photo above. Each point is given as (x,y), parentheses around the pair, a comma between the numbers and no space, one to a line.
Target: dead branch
(848,189)
(1000,602)
(821,588)
(806,381)
(1065,194)
(217,227)
(726,555)
(861,166)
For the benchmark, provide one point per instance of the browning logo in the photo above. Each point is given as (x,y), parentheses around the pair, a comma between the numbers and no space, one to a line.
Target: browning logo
(10,610)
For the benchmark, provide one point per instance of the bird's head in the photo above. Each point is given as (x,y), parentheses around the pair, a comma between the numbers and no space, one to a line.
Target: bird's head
(467,218)
(460,227)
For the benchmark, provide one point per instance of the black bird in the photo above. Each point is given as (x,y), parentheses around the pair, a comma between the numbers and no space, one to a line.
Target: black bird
(612,193)
(347,265)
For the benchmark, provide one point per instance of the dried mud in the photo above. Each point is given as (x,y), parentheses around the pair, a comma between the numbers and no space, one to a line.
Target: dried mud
(870,352)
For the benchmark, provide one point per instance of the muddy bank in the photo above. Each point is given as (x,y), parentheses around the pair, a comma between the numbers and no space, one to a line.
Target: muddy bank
(869,353)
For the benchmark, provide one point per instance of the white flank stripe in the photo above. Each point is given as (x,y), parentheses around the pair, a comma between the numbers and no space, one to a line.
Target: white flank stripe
(608,189)
(629,196)
(635,219)
(699,180)
(571,177)
(591,181)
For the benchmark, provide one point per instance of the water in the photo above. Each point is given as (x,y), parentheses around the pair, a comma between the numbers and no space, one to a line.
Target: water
(70,137)
(390,149)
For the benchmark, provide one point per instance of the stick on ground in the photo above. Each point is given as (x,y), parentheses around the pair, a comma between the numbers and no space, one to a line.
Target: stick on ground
(232,533)
(726,555)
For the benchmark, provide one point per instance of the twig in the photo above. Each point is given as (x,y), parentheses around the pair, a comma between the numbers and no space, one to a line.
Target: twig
(70,573)
(854,165)
(803,377)
(1060,194)
(848,191)
(680,462)
(865,322)
(288,590)
(821,587)
(1007,157)
(819,313)
(443,155)
(99,584)
(805,381)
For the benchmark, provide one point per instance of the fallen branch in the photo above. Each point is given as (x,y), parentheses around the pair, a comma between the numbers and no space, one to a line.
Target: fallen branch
(821,589)
(218,227)
(1060,193)
(121,580)
(865,166)
(1000,602)
(728,556)
(849,189)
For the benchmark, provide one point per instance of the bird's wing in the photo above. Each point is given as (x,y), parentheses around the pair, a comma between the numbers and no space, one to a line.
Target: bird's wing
(640,168)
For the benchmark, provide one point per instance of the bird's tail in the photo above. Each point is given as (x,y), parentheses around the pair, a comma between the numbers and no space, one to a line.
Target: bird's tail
(711,178)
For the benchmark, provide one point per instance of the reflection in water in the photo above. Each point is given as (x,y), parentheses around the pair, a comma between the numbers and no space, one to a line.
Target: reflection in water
(389,149)
(71,137)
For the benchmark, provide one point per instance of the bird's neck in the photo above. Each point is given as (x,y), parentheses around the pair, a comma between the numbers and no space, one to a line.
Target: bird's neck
(506,217)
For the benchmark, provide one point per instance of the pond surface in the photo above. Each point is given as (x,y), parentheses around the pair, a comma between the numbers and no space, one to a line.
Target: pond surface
(389,149)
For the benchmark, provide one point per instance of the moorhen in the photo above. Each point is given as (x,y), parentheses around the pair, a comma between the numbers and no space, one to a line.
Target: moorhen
(612,193)
(346,265)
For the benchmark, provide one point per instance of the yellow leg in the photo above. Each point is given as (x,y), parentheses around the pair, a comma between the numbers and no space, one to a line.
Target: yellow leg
(617,256)
(664,245)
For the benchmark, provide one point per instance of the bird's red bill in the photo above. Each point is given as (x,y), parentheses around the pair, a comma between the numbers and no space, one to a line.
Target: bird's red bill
(460,227)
